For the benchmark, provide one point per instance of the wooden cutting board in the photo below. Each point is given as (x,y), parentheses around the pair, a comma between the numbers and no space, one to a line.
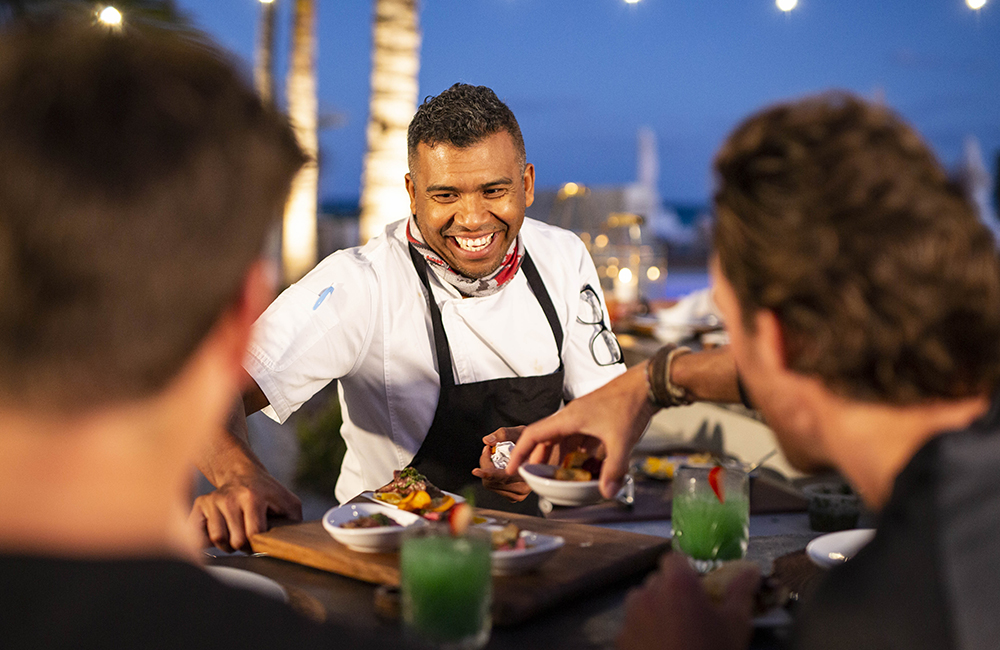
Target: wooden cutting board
(591,558)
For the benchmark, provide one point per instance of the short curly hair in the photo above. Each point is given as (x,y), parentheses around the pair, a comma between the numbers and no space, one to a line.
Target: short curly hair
(141,176)
(832,213)
(462,116)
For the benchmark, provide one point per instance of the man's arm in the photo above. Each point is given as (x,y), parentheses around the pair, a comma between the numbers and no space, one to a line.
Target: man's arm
(617,414)
(245,492)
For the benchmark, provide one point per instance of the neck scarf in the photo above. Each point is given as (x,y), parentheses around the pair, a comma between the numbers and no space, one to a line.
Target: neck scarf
(468,287)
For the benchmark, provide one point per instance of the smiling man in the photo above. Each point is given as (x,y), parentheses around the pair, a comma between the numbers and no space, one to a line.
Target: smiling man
(453,323)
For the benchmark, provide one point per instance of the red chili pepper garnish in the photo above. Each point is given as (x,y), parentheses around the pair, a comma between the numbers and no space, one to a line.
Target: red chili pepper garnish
(715,480)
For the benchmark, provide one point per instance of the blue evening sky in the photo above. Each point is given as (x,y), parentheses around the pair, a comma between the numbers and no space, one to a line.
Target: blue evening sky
(583,75)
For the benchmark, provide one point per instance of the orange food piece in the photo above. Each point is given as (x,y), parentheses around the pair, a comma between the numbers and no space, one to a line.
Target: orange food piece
(415,501)
(446,503)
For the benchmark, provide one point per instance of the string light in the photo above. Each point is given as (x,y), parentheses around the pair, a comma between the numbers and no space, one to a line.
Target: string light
(786,5)
(110,16)
(975,4)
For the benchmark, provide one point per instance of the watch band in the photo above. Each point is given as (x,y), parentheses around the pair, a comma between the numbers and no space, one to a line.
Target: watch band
(662,391)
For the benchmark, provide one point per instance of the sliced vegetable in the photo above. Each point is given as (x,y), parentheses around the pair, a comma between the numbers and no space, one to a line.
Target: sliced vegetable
(715,478)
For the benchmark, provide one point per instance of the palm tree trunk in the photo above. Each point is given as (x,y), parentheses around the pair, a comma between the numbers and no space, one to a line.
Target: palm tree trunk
(298,243)
(263,73)
(395,63)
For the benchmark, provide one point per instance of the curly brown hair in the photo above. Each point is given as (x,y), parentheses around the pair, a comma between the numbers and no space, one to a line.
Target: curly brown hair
(141,175)
(462,116)
(832,213)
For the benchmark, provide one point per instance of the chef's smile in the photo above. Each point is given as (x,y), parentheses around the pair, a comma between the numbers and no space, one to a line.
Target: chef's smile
(469,201)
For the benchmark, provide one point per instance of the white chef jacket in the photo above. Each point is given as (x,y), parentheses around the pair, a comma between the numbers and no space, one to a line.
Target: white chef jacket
(361,317)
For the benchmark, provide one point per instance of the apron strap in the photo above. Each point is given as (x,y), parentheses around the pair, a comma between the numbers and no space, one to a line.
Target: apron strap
(536,284)
(441,347)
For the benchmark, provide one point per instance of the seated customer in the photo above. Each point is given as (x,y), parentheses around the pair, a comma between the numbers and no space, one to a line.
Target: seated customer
(862,298)
(140,177)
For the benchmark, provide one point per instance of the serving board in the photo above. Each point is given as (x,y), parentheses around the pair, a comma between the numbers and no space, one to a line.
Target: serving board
(591,558)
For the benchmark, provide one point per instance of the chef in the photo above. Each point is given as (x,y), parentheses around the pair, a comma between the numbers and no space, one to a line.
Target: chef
(459,320)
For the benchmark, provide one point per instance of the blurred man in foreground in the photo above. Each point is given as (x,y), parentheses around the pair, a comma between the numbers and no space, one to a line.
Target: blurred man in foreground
(862,298)
(140,177)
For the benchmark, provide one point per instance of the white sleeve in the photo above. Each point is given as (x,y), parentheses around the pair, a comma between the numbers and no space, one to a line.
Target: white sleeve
(583,374)
(317,330)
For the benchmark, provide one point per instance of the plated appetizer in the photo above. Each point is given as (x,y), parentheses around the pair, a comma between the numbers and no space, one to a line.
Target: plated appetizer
(411,491)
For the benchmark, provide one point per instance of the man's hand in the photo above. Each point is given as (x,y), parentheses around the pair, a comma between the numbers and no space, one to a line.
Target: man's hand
(615,414)
(672,610)
(511,487)
(229,516)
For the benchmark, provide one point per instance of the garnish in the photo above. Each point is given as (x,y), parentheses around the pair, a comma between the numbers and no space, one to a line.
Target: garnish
(459,519)
(715,477)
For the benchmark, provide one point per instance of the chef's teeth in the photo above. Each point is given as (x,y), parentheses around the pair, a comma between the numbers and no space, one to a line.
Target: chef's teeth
(473,245)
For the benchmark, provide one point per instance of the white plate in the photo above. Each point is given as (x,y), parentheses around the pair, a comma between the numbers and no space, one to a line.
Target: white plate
(369,540)
(836,548)
(243,579)
(370,495)
(561,493)
(539,549)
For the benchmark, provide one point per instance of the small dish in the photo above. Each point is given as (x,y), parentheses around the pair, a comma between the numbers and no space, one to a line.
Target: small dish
(539,549)
(243,579)
(836,548)
(383,539)
(561,493)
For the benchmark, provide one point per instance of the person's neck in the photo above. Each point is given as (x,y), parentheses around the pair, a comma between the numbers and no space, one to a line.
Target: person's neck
(101,485)
(871,443)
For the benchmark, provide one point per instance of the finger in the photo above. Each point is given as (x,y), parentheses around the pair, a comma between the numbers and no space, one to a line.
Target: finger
(197,524)
(254,519)
(527,439)
(218,530)
(613,471)
(285,504)
(234,521)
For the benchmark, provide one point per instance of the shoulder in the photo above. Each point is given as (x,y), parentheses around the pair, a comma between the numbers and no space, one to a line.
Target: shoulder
(557,252)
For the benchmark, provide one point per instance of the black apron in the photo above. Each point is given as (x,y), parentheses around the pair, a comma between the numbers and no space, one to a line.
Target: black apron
(468,412)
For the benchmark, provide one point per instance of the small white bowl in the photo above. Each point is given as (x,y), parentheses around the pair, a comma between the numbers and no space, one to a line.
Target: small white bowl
(832,549)
(539,549)
(561,493)
(369,540)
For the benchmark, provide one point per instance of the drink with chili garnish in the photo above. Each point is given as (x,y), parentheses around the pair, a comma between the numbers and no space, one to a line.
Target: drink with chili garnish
(711,514)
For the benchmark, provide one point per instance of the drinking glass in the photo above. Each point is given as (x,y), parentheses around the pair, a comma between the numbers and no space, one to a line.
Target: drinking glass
(711,525)
(446,587)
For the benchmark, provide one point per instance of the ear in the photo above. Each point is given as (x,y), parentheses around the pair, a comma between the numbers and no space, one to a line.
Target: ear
(769,339)
(232,331)
(529,185)
(411,189)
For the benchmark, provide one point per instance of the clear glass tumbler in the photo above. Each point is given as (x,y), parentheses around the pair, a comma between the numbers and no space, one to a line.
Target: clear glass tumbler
(711,514)
(446,587)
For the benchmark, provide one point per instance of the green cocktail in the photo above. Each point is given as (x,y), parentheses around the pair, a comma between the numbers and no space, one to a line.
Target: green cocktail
(710,524)
(447,587)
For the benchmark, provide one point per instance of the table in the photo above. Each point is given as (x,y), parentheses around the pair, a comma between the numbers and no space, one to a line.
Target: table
(588,622)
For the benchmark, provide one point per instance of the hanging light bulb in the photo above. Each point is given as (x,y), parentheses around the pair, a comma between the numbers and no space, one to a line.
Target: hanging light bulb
(976,4)
(786,5)
(110,16)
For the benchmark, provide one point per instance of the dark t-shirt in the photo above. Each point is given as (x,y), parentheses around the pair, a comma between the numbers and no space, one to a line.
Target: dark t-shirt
(145,603)
(930,579)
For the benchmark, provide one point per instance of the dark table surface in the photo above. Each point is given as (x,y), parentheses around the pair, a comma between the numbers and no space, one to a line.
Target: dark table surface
(590,621)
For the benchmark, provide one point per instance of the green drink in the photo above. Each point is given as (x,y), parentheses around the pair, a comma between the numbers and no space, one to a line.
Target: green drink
(711,525)
(447,587)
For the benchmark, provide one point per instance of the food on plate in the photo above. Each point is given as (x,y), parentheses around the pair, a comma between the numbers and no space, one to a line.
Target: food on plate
(376,520)
(578,466)
(411,491)
(508,538)
(663,467)
(770,593)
